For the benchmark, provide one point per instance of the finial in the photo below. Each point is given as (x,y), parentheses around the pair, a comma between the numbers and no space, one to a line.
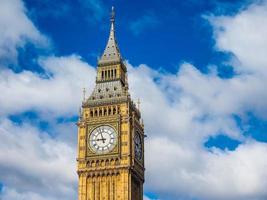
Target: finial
(84,92)
(112,18)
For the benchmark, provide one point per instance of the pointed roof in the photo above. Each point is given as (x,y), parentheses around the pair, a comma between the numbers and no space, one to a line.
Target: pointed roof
(112,52)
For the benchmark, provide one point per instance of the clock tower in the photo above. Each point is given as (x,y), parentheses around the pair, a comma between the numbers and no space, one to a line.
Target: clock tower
(110,134)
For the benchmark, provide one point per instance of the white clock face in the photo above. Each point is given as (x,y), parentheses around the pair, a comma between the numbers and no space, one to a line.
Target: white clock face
(102,139)
(138,146)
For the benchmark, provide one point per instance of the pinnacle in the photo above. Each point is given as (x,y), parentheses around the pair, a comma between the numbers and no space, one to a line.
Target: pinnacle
(111,53)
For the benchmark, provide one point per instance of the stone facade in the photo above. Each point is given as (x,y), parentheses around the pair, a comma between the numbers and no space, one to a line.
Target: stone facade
(117,174)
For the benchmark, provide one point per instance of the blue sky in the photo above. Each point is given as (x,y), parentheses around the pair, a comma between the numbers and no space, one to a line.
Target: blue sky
(160,34)
(199,68)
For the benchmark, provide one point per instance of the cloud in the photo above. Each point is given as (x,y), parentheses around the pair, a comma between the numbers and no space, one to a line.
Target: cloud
(182,110)
(15,195)
(189,172)
(241,35)
(147,21)
(193,106)
(34,164)
(41,164)
(57,92)
(16,30)
(147,198)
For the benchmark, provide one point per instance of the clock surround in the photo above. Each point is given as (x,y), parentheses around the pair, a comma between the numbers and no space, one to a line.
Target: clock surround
(102,139)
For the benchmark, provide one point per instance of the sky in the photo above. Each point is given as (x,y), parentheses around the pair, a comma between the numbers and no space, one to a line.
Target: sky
(199,68)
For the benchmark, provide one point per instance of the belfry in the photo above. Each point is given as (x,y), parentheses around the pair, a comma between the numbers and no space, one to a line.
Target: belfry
(110,134)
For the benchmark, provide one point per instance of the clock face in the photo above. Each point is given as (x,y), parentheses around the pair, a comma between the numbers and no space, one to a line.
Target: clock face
(138,146)
(102,139)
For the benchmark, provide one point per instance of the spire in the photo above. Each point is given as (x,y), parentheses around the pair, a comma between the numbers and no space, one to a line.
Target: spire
(112,52)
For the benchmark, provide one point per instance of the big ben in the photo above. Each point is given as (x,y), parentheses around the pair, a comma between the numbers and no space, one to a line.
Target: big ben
(110,134)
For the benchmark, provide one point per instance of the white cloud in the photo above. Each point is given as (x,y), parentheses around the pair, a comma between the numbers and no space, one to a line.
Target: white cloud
(182,110)
(14,195)
(16,29)
(34,163)
(58,93)
(245,36)
(40,165)
(147,198)
(188,171)
(178,120)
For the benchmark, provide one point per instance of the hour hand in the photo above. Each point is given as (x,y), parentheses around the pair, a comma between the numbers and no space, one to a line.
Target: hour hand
(99,139)
(103,139)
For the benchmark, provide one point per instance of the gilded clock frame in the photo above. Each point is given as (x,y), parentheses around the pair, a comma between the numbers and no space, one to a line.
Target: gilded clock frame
(115,124)
(138,130)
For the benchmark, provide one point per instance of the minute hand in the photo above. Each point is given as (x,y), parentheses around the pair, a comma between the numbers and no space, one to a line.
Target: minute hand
(103,139)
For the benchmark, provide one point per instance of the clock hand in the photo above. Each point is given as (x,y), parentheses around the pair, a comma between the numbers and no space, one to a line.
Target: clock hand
(99,139)
(103,139)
